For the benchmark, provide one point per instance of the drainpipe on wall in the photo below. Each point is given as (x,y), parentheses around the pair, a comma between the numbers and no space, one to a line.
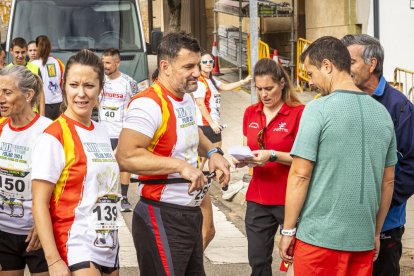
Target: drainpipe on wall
(376,18)
(150,17)
(254,40)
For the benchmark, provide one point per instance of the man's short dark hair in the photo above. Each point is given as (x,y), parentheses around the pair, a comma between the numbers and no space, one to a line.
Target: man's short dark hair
(19,41)
(330,48)
(372,49)
(112,52)
(172,43)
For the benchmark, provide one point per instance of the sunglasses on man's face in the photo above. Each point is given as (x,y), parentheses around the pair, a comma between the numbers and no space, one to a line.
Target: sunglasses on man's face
(207,61)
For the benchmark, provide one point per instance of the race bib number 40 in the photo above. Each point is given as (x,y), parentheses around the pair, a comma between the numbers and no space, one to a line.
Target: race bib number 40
(15,184)
(111,114)
(106,212)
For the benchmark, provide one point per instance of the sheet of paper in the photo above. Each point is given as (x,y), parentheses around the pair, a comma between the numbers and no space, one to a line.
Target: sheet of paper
(241,152)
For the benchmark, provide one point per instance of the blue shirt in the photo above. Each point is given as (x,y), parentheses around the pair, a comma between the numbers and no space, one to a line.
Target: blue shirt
(396,216)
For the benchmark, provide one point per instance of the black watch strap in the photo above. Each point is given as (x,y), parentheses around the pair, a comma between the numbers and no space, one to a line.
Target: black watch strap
(273,156)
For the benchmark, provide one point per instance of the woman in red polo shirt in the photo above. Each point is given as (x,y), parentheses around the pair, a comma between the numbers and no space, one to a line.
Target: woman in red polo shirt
(269,129)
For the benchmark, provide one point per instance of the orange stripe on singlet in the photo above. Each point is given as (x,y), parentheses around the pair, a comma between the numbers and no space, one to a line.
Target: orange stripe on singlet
(3,122)
(62,70)
(164,138)
(67,194)
(206,98)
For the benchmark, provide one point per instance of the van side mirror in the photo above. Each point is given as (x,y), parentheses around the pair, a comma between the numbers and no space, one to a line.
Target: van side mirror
(155,40)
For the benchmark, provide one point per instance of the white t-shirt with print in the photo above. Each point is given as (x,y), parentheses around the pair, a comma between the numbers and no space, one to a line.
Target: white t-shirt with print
(80,162)
(16,145)
(114,100)
(213,103)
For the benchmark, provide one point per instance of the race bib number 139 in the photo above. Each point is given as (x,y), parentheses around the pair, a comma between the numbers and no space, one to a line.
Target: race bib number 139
(106,212)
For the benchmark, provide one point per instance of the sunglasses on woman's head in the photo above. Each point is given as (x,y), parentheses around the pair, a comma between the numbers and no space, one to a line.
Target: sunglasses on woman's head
(207,61)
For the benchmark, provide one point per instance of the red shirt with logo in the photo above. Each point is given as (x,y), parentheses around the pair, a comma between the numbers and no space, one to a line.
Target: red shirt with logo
(268,184)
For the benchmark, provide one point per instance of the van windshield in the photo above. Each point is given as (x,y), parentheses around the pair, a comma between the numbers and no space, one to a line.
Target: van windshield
(76,24)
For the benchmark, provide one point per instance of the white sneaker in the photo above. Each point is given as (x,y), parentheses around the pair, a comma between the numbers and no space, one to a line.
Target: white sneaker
(233,189)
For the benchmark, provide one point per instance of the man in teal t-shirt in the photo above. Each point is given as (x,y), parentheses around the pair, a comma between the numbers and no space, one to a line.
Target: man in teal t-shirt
(341,180)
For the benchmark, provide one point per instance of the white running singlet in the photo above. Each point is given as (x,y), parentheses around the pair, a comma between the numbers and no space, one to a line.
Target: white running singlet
(212,100)
(16,145)
(170,122)
(52,74)
(84,206)
(114,100)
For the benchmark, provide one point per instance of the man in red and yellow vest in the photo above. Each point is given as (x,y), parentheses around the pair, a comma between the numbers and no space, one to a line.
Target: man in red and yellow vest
(160,141)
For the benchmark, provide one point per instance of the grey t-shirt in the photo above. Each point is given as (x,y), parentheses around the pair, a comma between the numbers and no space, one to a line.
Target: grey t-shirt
(351,139)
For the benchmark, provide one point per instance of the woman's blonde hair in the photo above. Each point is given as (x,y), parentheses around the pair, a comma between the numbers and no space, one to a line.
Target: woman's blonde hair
(25,80)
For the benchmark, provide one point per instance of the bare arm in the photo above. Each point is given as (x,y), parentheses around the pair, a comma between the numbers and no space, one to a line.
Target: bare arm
(297,189)
(216,162)
(42,192)
(132,156)
(262,157)
(204,144)
(201,105)
(234,85)
(387,190)
(386,197)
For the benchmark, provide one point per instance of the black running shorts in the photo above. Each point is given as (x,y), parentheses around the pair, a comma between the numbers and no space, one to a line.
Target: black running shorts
(210,134)
(168,238)
(13,255)
(101,268)
(114,143)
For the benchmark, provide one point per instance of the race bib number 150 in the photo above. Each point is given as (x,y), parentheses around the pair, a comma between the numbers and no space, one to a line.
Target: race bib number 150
(15,184)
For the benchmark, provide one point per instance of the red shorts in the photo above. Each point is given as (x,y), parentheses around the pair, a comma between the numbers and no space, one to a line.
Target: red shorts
(319,261)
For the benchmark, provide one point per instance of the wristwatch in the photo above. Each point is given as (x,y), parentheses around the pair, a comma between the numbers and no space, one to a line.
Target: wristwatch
(273,156)
(288,232)
(215,150)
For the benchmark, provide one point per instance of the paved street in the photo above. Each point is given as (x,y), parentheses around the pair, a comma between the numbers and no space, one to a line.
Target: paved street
(227,254)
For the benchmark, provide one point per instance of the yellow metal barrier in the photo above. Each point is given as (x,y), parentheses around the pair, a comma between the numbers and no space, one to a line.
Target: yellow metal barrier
(404,81)
(301,74)
(263,51)
(4,14)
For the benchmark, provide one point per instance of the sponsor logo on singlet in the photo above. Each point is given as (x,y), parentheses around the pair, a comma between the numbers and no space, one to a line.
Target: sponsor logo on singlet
(101,151)
(281,127)
(185,116)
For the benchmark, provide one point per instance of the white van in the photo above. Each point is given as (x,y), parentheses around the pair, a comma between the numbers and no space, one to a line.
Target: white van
(72,25)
